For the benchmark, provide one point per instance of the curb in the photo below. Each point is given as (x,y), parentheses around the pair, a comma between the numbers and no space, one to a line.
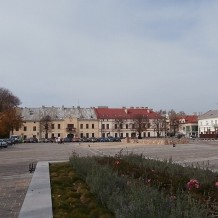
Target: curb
(37,202)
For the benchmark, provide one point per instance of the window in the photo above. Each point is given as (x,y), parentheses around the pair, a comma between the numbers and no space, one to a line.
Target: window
(121,126)
(126,126)
(149,134)
(115,134)
(81,126)
(59,134)
(115,126)
(70,126)
(87,135)
(103,126)
(34,128)
(107,126)
(59,126)
(121,135)
(103,135)
(93,134)
(87,126)
(24,128)
(127,134)
(52,126)
(93,126)
(81,135)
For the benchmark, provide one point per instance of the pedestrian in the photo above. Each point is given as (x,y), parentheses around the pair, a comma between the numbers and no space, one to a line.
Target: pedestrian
(59,140)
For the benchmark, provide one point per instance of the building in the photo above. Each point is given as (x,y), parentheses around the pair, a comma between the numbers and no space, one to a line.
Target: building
(64,122)
(208,124)
(122,122)
(188,125)
(76,122)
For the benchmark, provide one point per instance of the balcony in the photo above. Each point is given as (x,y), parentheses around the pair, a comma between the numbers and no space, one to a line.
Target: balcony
(70,129)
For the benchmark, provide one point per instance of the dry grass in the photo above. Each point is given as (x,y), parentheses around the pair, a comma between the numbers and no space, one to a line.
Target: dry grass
(71,196)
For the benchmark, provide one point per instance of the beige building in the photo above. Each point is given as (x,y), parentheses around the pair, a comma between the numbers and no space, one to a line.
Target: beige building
(64,122)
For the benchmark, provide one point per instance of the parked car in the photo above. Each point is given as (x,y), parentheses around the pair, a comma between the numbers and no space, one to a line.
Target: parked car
(16,138)
(3,143)
(84,139)
(30,140)
(67,139)
(76,139)
(9,141)
(93,139)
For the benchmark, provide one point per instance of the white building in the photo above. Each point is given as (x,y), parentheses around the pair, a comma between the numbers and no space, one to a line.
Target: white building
(208,124)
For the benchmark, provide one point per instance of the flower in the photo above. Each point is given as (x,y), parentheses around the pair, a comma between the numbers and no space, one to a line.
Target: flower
(193,183)
(216,184)
(117,162)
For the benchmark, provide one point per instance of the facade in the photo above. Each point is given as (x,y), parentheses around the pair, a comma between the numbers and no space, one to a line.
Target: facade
(76,122)
(65,122)
(208,124)
(188,125)
(120,122)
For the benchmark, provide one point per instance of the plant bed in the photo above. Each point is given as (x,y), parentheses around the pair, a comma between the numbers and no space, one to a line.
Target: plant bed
(132,186)
(71,196)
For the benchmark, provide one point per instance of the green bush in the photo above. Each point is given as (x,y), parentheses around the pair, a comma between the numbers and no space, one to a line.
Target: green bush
(120,187)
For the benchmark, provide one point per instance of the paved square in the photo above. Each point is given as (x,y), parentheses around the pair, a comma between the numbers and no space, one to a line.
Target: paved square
(14,162)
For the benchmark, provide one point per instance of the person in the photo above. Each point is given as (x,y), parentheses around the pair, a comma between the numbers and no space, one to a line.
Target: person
(59,140)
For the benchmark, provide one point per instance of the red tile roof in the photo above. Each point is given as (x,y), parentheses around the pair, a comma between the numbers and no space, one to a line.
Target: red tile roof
(124,113)
(190,118)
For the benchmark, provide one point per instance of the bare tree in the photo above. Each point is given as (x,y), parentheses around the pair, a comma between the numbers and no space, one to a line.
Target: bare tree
(140,124)
(118,124)
(174,120)
(45,125)
(159,123)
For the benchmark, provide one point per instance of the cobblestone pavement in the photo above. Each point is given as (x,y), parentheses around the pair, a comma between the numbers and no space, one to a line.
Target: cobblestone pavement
(14,172)
(14,162)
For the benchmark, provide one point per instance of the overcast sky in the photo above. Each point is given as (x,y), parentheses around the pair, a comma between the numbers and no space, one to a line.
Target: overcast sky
(161,54)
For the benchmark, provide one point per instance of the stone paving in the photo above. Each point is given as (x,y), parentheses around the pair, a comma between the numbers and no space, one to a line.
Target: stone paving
(14,162)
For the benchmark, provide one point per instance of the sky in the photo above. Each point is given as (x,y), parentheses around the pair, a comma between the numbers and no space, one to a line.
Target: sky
(158,54)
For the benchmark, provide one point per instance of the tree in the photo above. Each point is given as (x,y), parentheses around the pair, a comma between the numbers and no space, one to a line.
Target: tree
(10,117)
(7,100)
(159,123)
(45,125)
(118,123)
(174,120)
(140,124)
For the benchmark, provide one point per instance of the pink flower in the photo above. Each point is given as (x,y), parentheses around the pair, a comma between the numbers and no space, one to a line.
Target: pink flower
(117,162)
(193,183)
(216,184)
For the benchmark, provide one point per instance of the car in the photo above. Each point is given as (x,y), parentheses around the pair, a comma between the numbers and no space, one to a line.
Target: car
(3,143)
(15,138)
(93,139)
(10,141)
(76,139)
(67,139)
(30,140)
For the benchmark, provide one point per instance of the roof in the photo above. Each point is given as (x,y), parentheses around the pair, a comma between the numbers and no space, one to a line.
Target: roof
(57,113)
(123,113)
(209,115)
(189,118)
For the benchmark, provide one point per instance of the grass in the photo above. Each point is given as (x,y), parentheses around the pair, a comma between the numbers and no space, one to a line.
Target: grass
(71,196)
